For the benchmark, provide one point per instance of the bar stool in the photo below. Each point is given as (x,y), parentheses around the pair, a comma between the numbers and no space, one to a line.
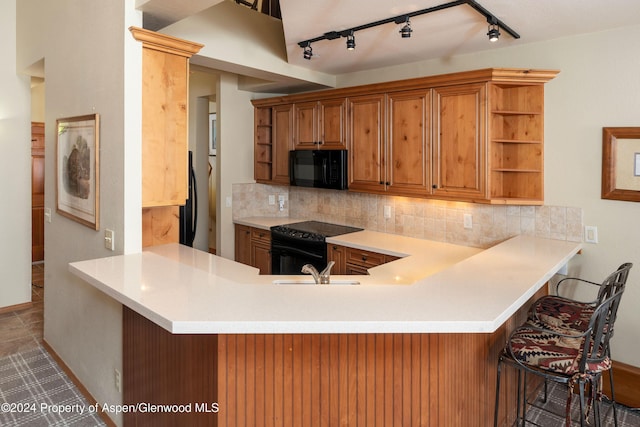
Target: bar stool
(565,356)
(565,313)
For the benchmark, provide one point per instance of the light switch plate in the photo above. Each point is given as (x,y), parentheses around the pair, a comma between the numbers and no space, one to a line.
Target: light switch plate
(591,234)
(468,221)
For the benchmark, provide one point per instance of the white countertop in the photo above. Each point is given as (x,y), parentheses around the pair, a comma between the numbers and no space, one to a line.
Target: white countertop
(438,288)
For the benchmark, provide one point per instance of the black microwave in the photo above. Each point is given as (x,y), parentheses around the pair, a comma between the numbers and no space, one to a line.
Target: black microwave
(318,168)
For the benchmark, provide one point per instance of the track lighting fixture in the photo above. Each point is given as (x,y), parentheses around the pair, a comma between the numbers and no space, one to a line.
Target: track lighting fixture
(351,41)
(406,31)
(308,51)
(493,33)
(495,25)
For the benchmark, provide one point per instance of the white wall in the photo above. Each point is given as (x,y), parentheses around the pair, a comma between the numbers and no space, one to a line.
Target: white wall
(92,66)
(598,86)
(15,168)
(235,151)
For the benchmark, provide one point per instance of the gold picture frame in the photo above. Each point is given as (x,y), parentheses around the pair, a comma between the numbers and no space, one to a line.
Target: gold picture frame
(78,169)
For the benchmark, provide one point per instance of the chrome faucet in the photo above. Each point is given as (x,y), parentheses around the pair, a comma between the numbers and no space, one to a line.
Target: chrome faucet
(319,278)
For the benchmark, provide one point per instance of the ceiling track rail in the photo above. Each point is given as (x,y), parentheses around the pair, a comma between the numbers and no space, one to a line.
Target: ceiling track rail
(400,19)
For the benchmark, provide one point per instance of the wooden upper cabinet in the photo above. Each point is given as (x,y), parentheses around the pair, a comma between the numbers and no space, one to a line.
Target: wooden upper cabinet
(473,136)
(165,94)
(320,125)
(408,166)
(306,125)
(282,143)
(459,120)
(366,143)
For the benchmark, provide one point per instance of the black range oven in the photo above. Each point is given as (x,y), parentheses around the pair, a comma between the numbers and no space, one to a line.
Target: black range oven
(297,244)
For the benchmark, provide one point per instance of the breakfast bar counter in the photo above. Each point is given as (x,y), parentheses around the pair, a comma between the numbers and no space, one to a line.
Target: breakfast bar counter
(462,289)
(415,343)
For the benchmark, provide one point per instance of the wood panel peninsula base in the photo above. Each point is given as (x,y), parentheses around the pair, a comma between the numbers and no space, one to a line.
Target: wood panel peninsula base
(227,380)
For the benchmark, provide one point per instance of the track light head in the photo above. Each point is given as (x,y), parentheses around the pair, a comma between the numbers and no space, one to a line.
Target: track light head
(351,41)
(493,33)
(405,31)
(308,52)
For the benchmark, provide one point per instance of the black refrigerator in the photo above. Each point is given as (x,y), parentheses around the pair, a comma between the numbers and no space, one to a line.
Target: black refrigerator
(189,212)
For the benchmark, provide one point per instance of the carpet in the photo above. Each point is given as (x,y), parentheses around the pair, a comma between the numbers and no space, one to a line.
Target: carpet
(554,409)
(35,392)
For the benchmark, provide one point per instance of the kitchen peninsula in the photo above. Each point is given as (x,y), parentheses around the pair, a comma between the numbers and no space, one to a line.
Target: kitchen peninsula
(420,351)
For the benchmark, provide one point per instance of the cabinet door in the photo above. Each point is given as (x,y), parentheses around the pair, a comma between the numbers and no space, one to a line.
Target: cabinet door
(306,126)
(366,139)
(164,128)
(333,119)
(243,244)
(282,142)
(408,165)
(336,253)
(459,119)
(261,256)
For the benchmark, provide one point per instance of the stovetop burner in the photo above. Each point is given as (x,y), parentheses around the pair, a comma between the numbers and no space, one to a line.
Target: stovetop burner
(313,230)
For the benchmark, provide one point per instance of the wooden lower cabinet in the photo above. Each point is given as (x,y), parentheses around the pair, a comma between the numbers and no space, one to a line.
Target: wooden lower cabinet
(253,247)
(353,261)
(318,379)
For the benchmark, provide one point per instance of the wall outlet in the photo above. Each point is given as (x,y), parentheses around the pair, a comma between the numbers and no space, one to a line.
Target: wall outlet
(272,199)
(387,211)
(468,221)
(109,239)
(47,215)
(227,201)
(117,377)
(591,234)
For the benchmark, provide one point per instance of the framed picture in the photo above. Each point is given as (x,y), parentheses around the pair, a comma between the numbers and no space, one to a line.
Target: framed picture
(212,134)
(621,163)
(77,169)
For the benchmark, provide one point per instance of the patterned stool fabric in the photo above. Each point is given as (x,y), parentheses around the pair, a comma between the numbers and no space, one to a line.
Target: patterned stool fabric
(562,312)
(553,351)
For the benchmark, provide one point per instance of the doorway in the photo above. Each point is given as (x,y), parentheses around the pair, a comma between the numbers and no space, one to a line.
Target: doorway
(37,192)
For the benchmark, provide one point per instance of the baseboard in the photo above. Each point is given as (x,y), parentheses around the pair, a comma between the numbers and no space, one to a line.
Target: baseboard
(17,307)
(625,380)
(108,421)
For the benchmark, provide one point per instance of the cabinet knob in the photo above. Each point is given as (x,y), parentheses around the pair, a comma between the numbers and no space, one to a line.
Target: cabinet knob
(434,186)
(387,183)
(364,257)
(381,183)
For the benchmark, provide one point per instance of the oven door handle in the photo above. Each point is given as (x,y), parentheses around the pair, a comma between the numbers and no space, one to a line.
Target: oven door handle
(284,249)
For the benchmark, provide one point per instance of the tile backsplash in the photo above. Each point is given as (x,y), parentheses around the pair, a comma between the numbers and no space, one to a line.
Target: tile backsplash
(422,218)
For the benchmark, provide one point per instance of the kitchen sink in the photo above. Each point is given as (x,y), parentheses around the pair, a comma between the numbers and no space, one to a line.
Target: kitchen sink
(311,282)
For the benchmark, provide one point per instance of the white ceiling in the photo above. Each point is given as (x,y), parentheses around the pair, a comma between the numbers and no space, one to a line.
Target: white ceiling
(440,34)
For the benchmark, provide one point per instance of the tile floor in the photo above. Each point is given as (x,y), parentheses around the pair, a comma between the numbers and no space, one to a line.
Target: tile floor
(22,329)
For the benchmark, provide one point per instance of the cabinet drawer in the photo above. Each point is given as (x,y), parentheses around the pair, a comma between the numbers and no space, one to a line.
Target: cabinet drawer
(364,258)
(260,235)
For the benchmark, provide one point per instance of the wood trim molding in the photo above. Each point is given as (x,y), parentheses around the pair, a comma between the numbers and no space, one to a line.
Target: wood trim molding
(17,307)
(165,43)
(626,379)
(92,401)
(495,75)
